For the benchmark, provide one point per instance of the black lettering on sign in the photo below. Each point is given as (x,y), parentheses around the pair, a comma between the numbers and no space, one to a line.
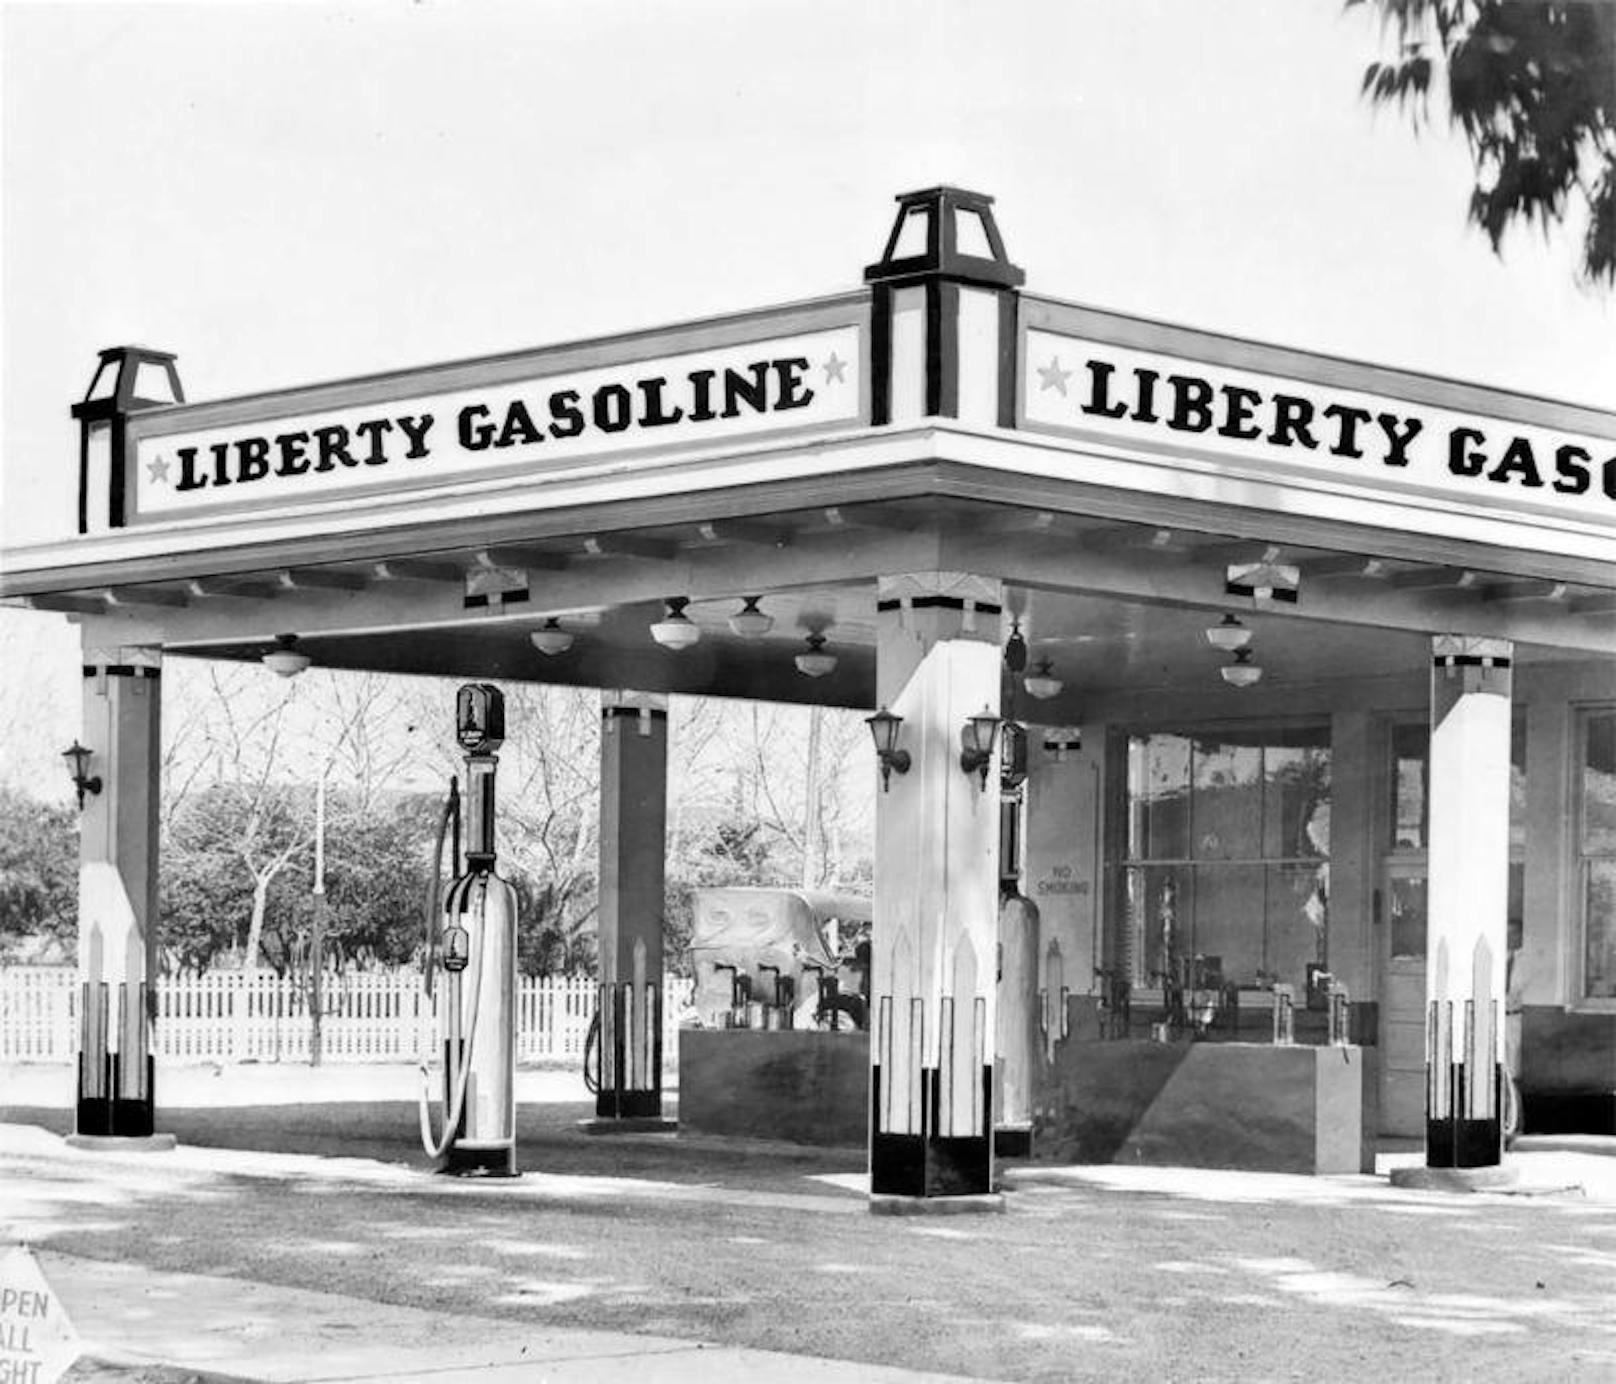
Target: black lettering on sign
(1571,470)
(416,429)
(791,388)
(569,419)
(1397,439)
(333,445)
(1144,410)
(473,434)
(1237,416)
(654,414)
(221,463)
(701,396)
(373,428)
(614,409)
(1293,418)
(1192,400)
(293,461)
(1346,438)
(189,478)
(754,392)
(252,458)
(518,429)
(1517,462)
(1100,403)
(1463,460)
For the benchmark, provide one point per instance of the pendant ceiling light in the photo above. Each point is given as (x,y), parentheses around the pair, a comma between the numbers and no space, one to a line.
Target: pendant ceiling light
(1015,649)
(749,622)
(284,659)
(1242,672)
(1042,682)
(815,663)
(676,630)
(550,639)
(1228,634)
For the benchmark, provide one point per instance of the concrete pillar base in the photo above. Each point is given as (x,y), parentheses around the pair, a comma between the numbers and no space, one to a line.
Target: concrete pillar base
(631,1124)
(1500,1177)
(122,1143)
(967,1204)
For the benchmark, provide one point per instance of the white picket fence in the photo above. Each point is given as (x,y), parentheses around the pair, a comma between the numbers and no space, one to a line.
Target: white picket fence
(371,1016)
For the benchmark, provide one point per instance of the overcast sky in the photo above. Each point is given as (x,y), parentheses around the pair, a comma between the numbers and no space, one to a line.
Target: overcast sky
(287,193)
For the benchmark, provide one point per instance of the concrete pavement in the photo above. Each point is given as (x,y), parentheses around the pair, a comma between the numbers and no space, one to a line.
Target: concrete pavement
(135,1318)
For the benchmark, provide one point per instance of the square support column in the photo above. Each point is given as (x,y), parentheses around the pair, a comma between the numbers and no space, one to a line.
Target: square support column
(633,829)
(1064,861)
(118,894)
(1468,901)
(936,895)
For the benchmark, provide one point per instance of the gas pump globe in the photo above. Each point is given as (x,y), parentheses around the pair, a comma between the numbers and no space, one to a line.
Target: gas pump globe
(475,986)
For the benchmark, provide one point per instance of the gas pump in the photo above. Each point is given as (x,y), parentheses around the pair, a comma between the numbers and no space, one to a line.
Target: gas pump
(472,942)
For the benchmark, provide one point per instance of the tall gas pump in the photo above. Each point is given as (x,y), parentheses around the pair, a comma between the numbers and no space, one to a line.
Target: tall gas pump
(471,960)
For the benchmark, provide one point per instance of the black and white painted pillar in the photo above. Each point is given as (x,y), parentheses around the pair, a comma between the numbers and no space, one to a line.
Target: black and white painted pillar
(1468,897)
(118,893)
(943,314)
(936,893)
(633,824)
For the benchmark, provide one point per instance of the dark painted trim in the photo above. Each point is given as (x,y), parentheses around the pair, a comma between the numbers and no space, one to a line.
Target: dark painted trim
(1467,661)
(122,670)
(937,603)
(942,348)
(881,300)
(1009,357)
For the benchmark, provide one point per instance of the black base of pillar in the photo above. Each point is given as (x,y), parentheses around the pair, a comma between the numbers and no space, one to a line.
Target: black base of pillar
(461,1162)
(1464,1143)
(1012,1141)
(628,1105)
(911,1165)
(116,1116)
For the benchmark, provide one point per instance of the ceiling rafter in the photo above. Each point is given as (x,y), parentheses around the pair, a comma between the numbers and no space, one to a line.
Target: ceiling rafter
(631,545)
(417,569)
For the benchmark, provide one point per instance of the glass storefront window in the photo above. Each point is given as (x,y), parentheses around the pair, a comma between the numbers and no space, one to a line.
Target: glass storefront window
(1227,875)
(1597,837)
(1410,787)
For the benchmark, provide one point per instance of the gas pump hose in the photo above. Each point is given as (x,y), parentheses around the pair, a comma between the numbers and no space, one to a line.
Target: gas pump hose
(459,1064)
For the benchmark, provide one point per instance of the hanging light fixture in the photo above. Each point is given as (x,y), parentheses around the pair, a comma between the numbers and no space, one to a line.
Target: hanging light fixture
(815,662)
(550,639)
(1015,649)
(1228,634)
(676,630)
(1042,682)
(284,659)
(749,622)
(1242,672)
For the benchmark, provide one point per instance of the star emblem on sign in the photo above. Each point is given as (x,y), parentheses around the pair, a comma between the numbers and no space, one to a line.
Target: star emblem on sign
(157,470)
(834,369)
(1051,376)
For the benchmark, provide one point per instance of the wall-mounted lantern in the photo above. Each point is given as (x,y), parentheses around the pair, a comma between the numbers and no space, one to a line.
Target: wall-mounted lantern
(884,727)
(976,743)
(78,760)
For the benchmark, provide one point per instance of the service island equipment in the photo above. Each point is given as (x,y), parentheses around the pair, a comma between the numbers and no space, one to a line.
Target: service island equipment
(471,964)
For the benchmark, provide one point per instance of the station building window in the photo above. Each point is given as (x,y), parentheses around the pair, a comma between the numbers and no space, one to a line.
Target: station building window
(1596,851)
(1225,875)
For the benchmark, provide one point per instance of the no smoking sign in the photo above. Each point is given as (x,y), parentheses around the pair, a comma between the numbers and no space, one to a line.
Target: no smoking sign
(37,1342)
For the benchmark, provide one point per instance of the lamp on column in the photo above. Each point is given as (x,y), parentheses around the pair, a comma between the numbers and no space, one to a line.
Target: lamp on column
(884,727)
(976,743)
(78,760)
